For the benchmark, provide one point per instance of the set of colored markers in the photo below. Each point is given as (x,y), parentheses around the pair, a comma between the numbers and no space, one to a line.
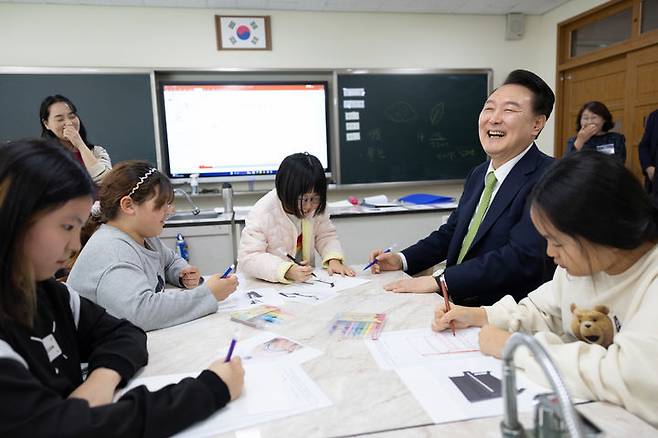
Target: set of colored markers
(260,316)
(358,325)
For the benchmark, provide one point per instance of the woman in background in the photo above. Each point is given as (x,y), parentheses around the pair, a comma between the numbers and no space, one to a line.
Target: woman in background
(60,123)
(593,126)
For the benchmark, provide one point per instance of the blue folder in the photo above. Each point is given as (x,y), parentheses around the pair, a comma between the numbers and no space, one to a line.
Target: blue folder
(426,198)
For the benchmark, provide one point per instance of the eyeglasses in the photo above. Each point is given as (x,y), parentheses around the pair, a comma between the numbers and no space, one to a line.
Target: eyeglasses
(593,118)
(312,200)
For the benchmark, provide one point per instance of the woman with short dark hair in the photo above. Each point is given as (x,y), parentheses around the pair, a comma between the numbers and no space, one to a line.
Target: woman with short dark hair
(593,126)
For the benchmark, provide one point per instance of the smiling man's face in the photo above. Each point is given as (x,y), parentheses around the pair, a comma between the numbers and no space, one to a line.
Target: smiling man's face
(508,124)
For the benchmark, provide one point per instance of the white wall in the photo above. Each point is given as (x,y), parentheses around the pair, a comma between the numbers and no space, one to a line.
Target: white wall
(96,36)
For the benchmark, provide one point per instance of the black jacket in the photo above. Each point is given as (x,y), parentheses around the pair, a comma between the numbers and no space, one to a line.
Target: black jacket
(34,387)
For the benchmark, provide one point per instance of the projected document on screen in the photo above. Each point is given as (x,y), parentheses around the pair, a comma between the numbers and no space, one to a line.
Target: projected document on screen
(241,130)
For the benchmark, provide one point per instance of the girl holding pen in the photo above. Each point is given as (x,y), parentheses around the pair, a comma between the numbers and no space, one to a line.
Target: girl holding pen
(124,266)
(289,224)
(597,317)
(47,330)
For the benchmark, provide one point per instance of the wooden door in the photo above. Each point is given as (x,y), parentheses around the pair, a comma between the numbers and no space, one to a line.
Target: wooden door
(642,90)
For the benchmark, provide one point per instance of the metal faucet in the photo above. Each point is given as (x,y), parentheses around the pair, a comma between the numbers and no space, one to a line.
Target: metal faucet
(195,208)
(510,427)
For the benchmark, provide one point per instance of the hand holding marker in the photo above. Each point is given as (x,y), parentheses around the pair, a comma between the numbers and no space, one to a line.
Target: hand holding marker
(389,249)
(231,347)
(295,261)
(228,271)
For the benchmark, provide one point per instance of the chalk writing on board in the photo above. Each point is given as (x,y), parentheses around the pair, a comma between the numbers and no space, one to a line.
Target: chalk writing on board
(401,112)
(375,134)
(446,156)
(438,141)
(436,113)
(375,153)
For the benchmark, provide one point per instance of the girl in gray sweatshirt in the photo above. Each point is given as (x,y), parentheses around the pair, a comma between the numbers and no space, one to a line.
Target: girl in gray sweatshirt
(124,266)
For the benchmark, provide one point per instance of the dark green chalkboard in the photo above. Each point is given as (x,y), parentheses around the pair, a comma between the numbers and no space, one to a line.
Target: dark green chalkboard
(413,127)
(115,108)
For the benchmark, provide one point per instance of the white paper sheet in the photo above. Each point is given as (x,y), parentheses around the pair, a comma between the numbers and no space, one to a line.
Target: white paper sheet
(442,399)
(352,115)
(244,298)
(379,201)
(320,288)
(271,391)
(271,347)
(402,348)
(352,126)
(353,136)
(340,204)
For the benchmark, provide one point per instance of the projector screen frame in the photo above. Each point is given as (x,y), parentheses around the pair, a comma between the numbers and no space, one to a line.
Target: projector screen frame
(184,178)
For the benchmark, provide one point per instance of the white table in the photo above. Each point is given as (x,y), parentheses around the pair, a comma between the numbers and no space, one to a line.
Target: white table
(366,399)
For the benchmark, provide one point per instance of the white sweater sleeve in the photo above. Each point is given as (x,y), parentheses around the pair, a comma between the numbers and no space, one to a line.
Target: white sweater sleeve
(539,311)
(103,167)
(622,374)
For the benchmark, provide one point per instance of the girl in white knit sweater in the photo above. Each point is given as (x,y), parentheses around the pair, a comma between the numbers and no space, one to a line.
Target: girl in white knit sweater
(597,317)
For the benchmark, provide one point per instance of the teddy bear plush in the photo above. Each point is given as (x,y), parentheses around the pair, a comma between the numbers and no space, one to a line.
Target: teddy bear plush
(592,325)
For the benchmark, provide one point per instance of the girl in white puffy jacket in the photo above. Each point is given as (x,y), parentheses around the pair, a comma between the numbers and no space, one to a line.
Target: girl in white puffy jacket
(290,222)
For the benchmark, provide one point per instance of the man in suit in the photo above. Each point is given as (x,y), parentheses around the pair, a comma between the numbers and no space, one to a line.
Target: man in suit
(648,149)
(489,243)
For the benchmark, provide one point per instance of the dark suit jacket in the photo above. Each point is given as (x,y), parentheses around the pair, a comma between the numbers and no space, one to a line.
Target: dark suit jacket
(507,256)
(648,147)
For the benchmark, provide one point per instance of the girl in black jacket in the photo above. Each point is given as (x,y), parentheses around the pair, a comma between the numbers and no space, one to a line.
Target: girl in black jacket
(47,330)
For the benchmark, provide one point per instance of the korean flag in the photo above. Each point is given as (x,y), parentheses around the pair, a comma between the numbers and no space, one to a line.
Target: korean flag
(243,33)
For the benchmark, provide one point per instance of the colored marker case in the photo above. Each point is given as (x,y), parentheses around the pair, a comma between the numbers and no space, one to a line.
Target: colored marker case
(260,316)
(358,325)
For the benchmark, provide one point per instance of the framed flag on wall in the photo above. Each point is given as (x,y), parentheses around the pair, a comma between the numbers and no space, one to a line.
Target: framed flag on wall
(240,32)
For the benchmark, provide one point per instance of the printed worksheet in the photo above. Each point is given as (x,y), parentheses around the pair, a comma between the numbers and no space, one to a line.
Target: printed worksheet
(271,347)
(419,346)
(271,391)
(245,298)
(464,387)
(319,288)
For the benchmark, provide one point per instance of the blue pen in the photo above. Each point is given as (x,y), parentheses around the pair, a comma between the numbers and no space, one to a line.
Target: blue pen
(389,249)
(231,347)
(228,271)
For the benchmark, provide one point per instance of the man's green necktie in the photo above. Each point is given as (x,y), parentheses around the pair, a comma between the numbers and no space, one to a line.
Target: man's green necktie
(490,182)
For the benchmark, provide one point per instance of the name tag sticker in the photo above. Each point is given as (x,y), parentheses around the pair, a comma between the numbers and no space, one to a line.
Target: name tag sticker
(608,149)
(52,347)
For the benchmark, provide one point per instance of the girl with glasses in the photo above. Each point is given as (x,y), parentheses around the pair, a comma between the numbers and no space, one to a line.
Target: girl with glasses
(289,224)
